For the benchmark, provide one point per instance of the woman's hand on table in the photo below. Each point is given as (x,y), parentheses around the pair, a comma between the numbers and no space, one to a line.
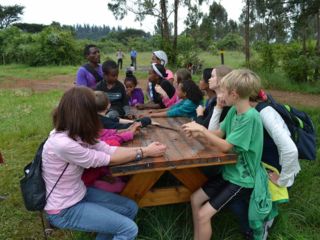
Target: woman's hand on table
(154,149)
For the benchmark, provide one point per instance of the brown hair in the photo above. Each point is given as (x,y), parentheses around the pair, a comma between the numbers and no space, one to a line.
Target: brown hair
(77,114)
(183,74)
(102,101)
(243,81)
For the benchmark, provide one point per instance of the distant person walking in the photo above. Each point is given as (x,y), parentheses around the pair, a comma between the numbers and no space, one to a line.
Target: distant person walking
(120,57)
(133,55)
(91,73)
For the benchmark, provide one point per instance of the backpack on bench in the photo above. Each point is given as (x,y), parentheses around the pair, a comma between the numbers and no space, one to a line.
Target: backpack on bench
(299,124)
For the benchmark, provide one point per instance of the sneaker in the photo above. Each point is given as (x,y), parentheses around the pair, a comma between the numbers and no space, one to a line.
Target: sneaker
(267,226)
(248,235)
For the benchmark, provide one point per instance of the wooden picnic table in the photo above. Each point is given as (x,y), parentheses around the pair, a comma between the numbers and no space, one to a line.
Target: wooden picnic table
(182,159)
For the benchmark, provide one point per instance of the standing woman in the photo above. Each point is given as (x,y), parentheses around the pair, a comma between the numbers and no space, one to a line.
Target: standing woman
(70,148)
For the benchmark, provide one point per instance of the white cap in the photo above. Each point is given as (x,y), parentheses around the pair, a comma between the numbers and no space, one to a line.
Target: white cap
(162,56)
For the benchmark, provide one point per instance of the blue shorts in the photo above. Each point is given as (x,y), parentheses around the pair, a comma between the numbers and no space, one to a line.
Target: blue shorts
(222,192)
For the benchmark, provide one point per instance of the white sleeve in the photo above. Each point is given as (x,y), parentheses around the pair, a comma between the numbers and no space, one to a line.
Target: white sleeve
(288,153)
(214,123)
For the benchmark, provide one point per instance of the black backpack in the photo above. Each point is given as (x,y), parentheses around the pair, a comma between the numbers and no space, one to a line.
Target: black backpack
(32,185)
(299,124)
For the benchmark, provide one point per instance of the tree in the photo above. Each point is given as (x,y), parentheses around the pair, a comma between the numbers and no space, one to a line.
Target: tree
(9,14)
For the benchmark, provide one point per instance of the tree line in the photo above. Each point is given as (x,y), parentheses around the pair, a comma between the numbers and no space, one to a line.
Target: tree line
(285,33)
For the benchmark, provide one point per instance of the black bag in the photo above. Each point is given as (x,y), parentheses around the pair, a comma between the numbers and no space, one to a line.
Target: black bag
(300,126)
(91,70)
(32,185)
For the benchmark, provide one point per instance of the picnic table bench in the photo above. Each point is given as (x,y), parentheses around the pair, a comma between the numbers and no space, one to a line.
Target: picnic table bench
(182,159)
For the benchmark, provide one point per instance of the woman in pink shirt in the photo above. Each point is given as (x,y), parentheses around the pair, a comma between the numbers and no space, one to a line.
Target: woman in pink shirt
(73,145)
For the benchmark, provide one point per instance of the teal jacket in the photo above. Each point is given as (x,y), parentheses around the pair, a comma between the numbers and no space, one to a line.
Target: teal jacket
(184,108)
(261,208)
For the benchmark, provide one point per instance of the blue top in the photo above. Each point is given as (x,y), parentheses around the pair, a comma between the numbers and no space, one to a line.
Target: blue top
(133,53)
(184,108)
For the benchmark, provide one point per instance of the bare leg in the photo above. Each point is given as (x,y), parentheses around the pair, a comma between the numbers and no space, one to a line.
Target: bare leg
(205,214)
(197,200)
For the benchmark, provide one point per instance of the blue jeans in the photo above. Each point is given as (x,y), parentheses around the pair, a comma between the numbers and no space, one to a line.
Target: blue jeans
(108,214)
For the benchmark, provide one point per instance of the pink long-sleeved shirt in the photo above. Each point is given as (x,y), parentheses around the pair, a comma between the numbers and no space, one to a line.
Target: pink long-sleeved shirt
(59,150)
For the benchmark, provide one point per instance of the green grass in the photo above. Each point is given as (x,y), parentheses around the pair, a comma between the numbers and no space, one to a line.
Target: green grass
(37,73)
(25,121)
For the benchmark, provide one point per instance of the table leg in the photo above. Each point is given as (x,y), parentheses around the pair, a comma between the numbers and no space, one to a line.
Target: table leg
(192,178)
(140,184)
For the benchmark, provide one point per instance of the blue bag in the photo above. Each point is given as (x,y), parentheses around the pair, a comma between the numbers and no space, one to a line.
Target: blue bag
(299,124)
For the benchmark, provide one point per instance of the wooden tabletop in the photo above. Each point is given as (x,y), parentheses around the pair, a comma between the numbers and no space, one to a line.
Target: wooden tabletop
(182,152)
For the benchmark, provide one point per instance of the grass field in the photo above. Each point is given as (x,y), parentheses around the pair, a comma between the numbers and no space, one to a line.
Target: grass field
(25,120)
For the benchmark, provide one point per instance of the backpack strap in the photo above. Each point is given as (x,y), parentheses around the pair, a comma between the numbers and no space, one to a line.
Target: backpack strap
(57,181)
(91,70)
(261,105)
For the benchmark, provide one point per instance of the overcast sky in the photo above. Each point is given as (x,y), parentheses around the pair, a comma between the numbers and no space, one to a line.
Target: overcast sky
(95,12)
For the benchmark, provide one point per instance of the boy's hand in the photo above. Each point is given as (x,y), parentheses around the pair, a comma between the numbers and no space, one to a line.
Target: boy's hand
(140,106)
(135,127)
(130,116)
(221,103)
(200,110)
(193,129)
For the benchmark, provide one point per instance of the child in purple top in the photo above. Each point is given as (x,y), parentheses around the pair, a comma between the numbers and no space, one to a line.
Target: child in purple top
(135,95)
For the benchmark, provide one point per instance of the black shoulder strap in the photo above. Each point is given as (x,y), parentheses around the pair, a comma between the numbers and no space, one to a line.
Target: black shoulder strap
(57,181)
(91,70)
(261,105)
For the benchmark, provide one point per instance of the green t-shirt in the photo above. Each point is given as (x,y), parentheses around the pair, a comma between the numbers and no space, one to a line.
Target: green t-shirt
(245,133)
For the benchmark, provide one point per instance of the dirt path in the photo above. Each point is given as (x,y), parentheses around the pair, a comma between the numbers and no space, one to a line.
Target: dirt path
(64,82)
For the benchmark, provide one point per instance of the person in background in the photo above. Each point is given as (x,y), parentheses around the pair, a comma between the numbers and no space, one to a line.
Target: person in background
(160,57)
(211,75)
(190,95)
(120,57)
(71,147)
(115,91)
(133,56)
(214,84)
(157,74)
(135,95)
(91,73)
(179,76)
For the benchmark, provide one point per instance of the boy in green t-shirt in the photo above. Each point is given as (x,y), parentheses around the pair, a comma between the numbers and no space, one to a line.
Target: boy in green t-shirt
(243,132)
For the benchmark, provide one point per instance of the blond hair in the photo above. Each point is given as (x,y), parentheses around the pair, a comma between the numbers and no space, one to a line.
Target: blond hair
(102,101)
(243,81)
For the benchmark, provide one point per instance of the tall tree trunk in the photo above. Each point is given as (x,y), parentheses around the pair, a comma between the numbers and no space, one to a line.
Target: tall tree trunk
(316,71)
(247,25)
(175,35)
(164,21)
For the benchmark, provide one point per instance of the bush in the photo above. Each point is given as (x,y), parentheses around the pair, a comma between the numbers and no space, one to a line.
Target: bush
(231,41)
(300,66)
(267,56)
